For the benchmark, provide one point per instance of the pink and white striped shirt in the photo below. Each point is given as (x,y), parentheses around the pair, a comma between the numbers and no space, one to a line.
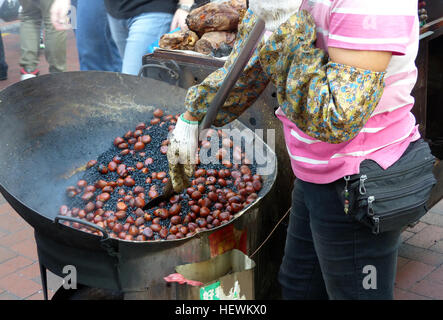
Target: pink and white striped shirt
(383,25)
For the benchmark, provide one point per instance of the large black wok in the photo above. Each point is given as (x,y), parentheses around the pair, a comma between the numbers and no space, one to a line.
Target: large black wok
(51,126)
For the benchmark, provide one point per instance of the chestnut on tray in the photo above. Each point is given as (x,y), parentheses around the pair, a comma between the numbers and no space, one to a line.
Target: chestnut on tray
(115,187)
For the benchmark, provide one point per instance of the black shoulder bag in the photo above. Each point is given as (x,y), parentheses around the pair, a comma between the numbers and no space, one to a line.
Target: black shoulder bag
(390,199)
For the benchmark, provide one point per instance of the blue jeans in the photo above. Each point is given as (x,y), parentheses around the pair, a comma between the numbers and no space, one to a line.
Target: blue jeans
(326,250)
(96,48)
(134,36)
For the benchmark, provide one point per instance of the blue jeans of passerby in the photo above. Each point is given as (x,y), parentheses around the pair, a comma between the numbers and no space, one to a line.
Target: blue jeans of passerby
(96,48)
(328,255)
(134,36)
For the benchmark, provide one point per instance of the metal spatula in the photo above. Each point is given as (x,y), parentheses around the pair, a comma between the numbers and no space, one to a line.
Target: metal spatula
(220,97)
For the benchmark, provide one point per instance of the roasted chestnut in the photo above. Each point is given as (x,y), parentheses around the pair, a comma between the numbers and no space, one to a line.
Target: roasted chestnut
(103,197)
(102,169)
(139,202)
(87,196)
(163,232)
(148,233)
(176,219)
(204,212)
(118,141)
(133,231)
(155,227)
(175,209)
(158,113)
(120,214)
(161,175)
(129,182)
(213,199)
(163,149)
(155,121)
(91,163)
(196,195)
(139,146)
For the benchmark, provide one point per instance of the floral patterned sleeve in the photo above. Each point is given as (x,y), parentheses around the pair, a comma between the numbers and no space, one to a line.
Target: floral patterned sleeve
(328,101)
(247,89)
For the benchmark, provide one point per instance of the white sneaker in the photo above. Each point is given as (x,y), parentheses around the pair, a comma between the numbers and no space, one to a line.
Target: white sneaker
(27,75)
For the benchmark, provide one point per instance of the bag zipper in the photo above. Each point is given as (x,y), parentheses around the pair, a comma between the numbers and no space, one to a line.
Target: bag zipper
(362,190)
(361,185)
(364,177)
(388,215)
(425,161)
(385,195)
(371,212)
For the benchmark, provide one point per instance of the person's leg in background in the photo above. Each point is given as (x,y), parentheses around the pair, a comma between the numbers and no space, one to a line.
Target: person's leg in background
(3,64)
(55,41)
(115,59)
(31,21)
(144,30)
(119,31)
(347,251)
(96,48)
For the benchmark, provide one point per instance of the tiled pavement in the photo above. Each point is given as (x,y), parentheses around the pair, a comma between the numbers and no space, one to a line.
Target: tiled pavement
(420,259)
(420,262)
(19,271)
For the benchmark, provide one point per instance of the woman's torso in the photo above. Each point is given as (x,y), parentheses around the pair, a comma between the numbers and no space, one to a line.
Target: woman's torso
(363,25)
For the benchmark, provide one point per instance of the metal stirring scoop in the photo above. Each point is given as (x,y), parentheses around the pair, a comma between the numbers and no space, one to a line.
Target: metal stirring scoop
(220,97)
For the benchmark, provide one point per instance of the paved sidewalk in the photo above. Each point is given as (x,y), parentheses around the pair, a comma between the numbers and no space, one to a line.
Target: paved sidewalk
(420,262)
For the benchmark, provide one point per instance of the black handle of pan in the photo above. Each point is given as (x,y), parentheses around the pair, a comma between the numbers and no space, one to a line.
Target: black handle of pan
(89,224)
(172,73)
(233,74)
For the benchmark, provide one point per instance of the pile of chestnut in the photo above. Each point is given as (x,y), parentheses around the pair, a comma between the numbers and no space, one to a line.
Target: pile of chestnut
(116,187)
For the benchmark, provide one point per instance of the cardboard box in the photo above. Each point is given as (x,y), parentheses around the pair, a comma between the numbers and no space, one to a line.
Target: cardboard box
(229,276)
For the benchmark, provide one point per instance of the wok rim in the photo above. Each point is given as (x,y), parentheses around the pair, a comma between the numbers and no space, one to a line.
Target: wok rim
(38,215)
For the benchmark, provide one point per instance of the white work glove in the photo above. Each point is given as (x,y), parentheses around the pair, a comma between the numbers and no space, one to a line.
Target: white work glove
(274,12)
(182,153)
(59,14)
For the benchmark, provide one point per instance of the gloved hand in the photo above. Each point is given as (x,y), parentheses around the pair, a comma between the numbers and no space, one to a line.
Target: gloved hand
(182,153)
(274,12)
